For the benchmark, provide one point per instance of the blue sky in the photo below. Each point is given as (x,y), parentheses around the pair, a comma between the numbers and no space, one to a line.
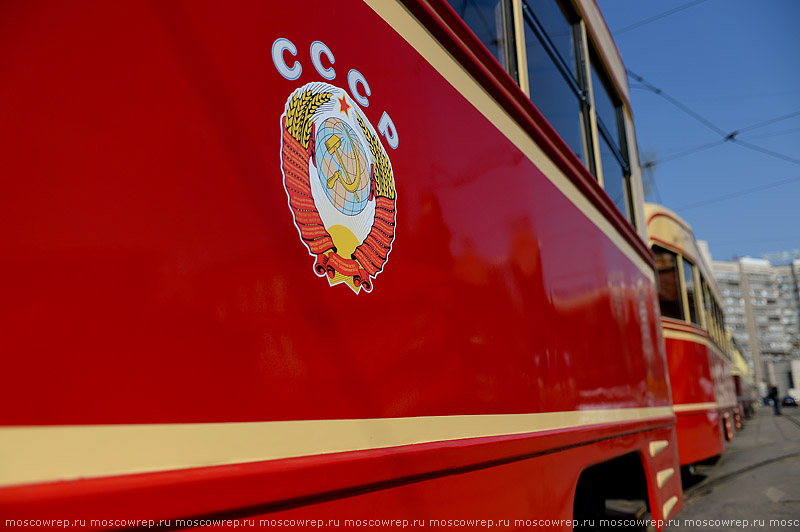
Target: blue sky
(736,63)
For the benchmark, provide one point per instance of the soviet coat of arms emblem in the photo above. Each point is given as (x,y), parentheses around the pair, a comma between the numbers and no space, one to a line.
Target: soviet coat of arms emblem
(340,185)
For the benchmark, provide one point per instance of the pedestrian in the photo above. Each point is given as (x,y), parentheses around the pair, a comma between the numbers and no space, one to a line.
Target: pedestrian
(773,394)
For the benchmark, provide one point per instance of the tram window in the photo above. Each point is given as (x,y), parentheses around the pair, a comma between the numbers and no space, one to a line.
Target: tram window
(726,345)
(708,310)
(720,321)
(716,332)
(614,176)
(558,82)
(669,287)
(605,108)
(555,23)
(688,278)
(613,149)
(492,22)
(717,323)
(556,85)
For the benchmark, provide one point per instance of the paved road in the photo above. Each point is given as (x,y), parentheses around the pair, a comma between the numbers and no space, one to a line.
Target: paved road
(756,483)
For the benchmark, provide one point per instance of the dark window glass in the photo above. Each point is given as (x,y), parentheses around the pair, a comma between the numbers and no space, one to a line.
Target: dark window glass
(720,323)
(605,108)
(554,87)
(708,309)
(614,177)
(688,279)
(555,24)
(613,148)
(492,23)
(669,286)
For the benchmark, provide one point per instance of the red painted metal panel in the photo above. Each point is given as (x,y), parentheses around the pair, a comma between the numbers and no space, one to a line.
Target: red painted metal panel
(699,436)
(158,276)
(153,236)
(690,374)
(497,494)
(697,375)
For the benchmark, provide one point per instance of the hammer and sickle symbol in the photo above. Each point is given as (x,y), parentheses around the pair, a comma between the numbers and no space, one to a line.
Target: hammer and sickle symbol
(350,183)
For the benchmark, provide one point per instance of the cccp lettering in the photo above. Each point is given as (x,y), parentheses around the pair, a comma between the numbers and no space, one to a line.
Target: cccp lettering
(356,82)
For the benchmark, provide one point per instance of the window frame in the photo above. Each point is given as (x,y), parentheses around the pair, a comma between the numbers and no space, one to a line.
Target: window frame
(678,281)
(620,149)
(588,60)
(585,44)
(709,321)
(510,37)
(688,308)
(579,84)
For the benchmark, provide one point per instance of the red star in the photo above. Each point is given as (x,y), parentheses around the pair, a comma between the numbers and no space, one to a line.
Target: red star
(344,106)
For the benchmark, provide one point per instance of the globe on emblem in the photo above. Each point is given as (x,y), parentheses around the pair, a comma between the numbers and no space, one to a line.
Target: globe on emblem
(342,166)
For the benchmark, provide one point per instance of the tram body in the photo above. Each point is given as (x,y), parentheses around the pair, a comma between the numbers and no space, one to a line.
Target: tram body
(746,396)
(259,267)
(698,350)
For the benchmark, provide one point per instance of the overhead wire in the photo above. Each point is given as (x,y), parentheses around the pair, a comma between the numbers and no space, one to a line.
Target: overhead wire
(765,151)
(649,86)
(648,179)
(657,17)
(775,133)
(691,151)
(768,122)
(736,194)
(726,136)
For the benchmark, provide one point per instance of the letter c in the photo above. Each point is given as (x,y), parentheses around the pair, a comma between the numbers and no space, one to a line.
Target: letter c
(354,78)
(317,49)
(280,46)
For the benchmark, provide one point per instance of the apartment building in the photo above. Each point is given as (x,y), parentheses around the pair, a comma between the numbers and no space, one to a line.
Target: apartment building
(762,308)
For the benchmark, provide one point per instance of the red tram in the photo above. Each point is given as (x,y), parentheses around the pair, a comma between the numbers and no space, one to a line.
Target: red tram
(746,396)
(362,262)
(698,351)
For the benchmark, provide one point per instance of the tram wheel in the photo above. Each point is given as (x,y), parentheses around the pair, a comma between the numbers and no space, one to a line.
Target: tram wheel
(726,425)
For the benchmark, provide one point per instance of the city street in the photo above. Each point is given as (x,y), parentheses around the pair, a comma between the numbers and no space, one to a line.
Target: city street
(754,485)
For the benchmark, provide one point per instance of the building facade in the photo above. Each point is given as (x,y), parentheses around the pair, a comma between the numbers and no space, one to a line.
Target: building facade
(762,308)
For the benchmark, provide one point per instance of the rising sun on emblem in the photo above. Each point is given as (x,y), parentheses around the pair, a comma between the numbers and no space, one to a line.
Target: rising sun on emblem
(340,185)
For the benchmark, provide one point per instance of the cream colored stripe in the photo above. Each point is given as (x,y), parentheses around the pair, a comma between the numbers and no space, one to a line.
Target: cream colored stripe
(663,476)
(658,446)
(669,505)
(40,454)
(690,407)
(594,19)
(679,328)
(685,335)
(415,34)
(522,56)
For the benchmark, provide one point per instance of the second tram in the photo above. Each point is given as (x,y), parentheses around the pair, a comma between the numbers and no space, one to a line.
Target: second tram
(703,392)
